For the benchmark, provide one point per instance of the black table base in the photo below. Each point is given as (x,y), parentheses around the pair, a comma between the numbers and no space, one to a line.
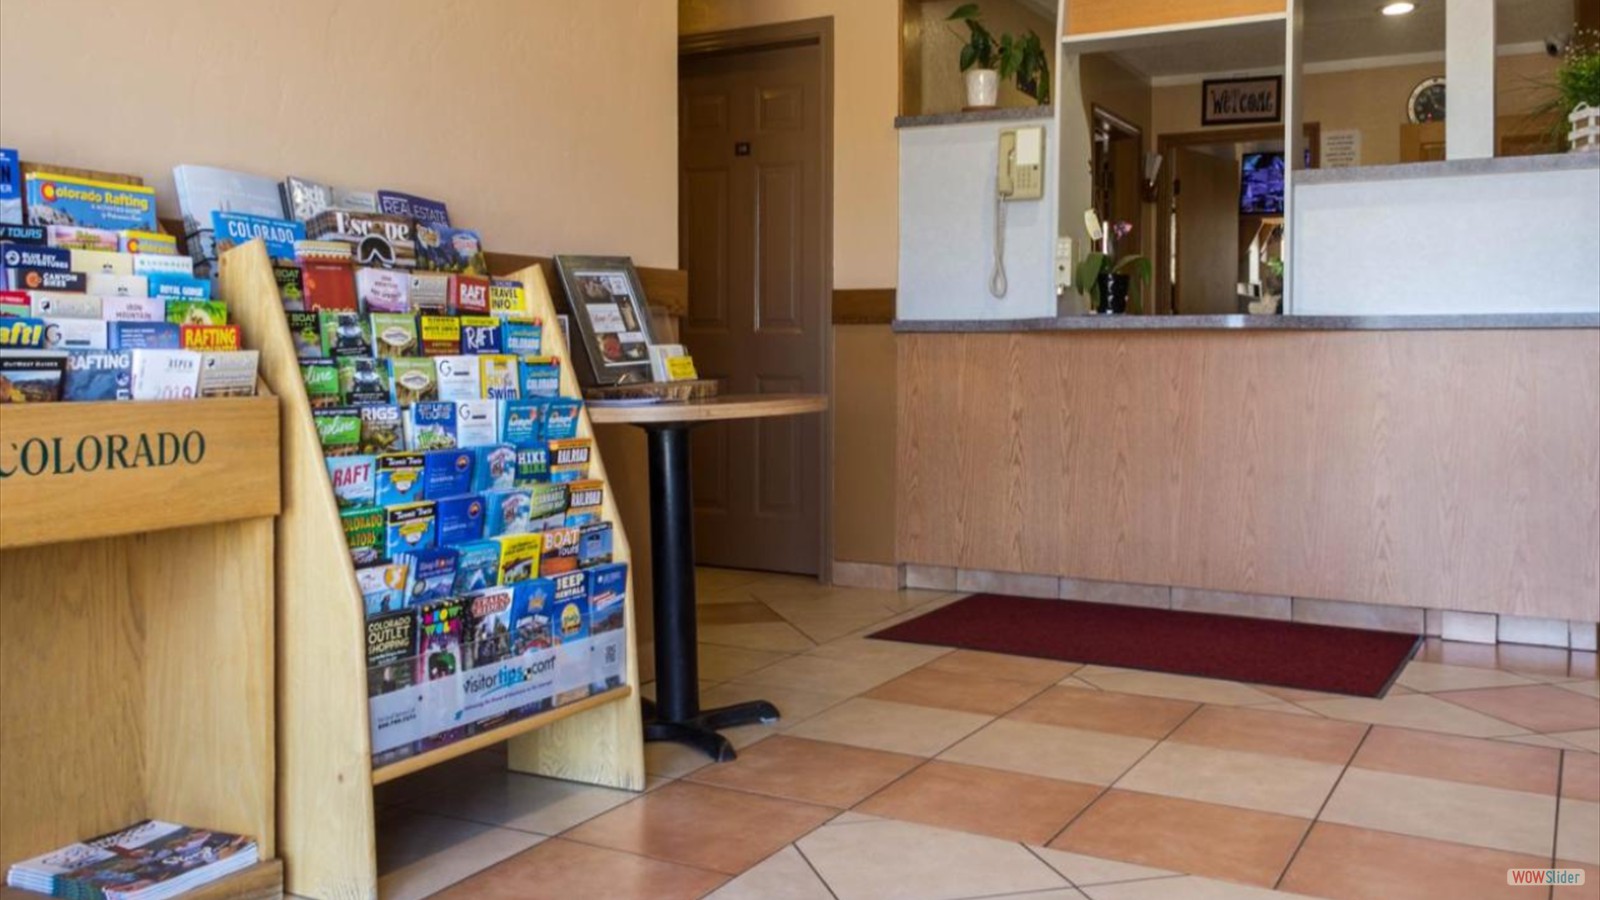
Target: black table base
(676,714)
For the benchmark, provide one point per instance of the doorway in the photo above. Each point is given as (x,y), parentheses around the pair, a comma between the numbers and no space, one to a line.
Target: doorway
(1210,236)
(755,234)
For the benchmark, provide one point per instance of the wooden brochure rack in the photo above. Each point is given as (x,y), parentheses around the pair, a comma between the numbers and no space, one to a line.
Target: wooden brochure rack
(136,624)
(326,776)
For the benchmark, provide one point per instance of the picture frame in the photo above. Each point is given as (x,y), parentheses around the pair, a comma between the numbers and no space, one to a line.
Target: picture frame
(609,319)
(1241,101)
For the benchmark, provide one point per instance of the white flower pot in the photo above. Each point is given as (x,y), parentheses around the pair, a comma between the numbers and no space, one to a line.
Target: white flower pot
(983,88)
(1584,135)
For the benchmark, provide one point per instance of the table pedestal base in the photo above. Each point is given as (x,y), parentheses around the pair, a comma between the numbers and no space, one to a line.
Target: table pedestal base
(700,731)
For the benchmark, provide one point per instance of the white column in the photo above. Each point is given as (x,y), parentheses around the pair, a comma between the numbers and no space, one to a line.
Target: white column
(1469,79)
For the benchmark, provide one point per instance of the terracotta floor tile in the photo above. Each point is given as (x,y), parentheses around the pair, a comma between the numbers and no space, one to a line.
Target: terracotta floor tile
(1516,821)
(1589,890)
(809,771)
(1580,775)
(1152,718)
(1007,805)
(1361,864)
(1004,665)
(1453,758)
(705,827)
(563,870)
(1186,836)
(1278,734)
(737,614)
(1538,707)
(1578,833)
(946,690)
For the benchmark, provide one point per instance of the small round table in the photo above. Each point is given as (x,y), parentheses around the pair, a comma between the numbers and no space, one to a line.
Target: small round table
(676,714)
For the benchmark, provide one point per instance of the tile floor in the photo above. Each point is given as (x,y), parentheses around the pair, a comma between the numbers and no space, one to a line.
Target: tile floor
(902,771)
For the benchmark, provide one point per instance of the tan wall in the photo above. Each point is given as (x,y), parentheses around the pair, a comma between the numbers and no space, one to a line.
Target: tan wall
(865,245)
(538,160)
(472,103)
(943,88)
(864,454)
(1126,93)
(1372,100)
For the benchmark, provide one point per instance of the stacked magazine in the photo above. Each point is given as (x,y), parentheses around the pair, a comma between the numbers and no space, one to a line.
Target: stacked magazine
(150,860)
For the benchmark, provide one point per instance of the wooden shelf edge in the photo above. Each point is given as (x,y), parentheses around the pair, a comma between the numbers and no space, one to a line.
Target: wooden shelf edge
(478,741)
(262,881)
(1178,32)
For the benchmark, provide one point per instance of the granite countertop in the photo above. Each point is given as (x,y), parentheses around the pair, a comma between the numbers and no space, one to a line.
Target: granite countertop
(1003,114)
(1450,168)
(1255,323)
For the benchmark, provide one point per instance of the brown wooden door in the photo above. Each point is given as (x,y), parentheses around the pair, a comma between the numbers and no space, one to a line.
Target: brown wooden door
(752,232)
(1208,234)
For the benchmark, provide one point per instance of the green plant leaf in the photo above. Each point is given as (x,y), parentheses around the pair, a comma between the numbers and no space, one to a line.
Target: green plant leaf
(964,11)
(1087,275)
(969,55)
(1140,270)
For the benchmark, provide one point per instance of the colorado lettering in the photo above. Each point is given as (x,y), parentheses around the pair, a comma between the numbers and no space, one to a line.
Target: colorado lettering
(40,456)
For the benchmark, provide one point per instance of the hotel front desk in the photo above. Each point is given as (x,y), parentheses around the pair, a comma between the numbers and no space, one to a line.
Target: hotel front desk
(1432,462)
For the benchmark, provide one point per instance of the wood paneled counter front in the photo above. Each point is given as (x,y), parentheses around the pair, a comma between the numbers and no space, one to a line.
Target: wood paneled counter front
(1446,467)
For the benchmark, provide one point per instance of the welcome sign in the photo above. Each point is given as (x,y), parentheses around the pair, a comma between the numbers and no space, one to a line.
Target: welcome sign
(1239,101)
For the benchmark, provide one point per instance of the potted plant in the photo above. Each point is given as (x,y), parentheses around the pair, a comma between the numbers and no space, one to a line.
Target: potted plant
(986,59)
(1576,104)
(1114,285)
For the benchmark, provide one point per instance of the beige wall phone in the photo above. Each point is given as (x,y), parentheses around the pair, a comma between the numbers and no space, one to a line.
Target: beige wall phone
(1019,176)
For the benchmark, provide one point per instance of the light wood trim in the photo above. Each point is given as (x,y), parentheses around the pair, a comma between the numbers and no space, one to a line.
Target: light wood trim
(75,172)
(484,739)
(1453,470)
(1096,16)
(863,306)
(325,802)
(603,744)
(237,477)
(727,406)
(664,289)
(262,881)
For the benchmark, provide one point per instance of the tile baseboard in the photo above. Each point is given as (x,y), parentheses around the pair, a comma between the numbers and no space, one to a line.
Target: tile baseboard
(880,576)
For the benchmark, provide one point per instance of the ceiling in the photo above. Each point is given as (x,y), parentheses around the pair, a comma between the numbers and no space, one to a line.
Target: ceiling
(1346,30)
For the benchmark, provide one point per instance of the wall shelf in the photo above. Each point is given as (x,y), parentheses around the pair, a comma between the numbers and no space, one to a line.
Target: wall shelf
(325,796)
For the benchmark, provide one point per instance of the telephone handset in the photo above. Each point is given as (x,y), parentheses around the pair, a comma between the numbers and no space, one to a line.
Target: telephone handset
(1019,176)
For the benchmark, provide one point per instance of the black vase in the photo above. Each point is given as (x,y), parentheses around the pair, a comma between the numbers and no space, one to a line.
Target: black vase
(1113,293)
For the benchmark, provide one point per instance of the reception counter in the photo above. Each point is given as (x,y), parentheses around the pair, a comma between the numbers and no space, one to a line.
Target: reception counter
(1438,462)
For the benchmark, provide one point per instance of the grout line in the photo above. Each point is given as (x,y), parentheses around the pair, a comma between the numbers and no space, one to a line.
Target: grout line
(813,866)
(1312,823)
(1064,877)
(1106,789)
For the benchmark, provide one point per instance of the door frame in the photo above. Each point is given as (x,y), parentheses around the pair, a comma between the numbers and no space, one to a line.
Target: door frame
(1166,144)
(802,32)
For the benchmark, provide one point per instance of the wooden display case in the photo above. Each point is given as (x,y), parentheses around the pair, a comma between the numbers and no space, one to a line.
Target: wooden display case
(136,623)
(325,798)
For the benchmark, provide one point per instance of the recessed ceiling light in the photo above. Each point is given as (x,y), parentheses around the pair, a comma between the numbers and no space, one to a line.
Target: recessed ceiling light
(1397,9)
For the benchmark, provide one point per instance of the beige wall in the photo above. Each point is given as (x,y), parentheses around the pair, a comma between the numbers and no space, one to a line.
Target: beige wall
(942,86)
(536,142)
(866,208)
(1372,100)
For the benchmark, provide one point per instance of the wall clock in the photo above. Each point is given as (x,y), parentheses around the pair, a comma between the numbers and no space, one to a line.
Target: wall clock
(1426,103)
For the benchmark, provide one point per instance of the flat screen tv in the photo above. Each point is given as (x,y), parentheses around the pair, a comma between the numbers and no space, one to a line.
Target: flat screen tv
(1261,184)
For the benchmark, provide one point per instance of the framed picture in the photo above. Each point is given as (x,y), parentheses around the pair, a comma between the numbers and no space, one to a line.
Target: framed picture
(1241,101)
(610,324)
